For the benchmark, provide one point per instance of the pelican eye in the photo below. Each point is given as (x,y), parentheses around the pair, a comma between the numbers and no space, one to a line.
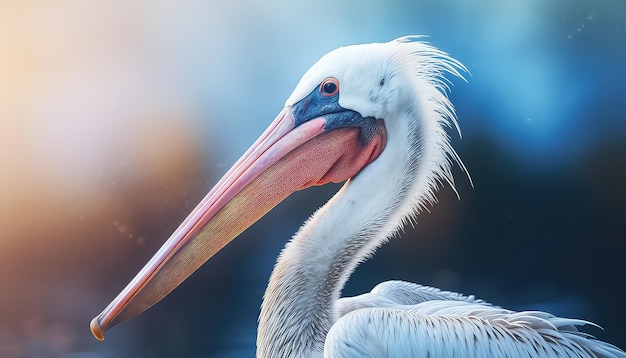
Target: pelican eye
(329,87)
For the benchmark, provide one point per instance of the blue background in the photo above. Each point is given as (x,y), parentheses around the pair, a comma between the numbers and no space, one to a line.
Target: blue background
(134,117)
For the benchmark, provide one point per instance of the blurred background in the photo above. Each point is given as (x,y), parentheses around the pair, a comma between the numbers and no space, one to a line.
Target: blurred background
(117,117)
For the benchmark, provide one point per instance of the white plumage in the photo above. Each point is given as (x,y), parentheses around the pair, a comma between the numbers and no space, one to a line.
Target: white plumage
(402,319)
(302,315)
(393,96)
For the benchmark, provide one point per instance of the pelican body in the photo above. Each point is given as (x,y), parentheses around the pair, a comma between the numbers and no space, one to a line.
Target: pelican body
(375,117)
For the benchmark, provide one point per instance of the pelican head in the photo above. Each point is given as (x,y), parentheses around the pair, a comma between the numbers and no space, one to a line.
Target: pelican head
(350,109)
(374,116)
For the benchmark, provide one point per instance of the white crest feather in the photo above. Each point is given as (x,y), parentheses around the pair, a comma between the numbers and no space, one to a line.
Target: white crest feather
(402,82)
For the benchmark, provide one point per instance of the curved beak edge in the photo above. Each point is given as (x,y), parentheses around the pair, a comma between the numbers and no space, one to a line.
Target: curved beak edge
(284,159)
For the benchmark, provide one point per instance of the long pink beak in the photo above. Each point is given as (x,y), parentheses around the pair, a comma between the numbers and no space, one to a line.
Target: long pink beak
(284,159)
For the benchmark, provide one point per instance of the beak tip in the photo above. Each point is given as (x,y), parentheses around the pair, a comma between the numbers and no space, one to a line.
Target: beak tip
(96,330)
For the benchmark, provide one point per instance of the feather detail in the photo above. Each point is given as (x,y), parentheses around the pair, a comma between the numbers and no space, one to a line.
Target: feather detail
(453,328)
(402,82)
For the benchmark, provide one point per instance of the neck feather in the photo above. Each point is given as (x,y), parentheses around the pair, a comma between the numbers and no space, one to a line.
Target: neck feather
(299,304)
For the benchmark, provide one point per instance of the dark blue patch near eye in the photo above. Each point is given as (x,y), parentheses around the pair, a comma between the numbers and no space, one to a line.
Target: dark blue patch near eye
(317,104)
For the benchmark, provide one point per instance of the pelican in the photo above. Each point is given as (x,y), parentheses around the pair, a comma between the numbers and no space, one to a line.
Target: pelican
(374,116)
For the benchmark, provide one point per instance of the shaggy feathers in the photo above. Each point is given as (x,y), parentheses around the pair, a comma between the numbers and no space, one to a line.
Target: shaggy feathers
(447,324)
(404,83)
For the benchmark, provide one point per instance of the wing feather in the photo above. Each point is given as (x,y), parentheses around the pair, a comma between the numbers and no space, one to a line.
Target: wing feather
(393,293)
(400,319)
